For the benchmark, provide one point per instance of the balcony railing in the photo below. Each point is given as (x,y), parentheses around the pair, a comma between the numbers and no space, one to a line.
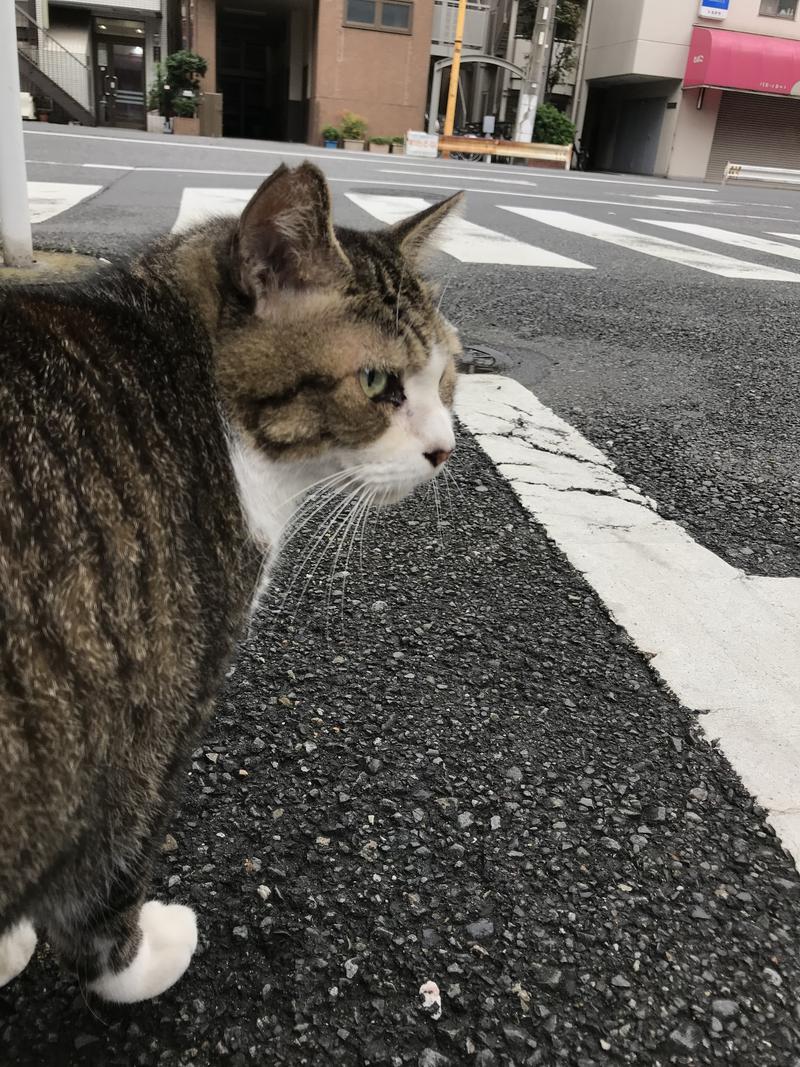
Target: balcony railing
(476,25)
(70,72)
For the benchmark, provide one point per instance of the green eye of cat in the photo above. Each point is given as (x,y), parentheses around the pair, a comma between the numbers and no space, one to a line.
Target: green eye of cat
(373,382)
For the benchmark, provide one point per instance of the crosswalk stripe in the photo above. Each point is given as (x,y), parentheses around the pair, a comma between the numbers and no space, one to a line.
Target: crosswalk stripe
(466,241)
(197,205)
(790,236)
(47,199)
(686,255)
(740,240)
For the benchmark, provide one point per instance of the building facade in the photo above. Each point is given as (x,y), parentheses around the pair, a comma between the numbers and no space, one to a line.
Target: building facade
(288,68)
(90,61)
(681,88)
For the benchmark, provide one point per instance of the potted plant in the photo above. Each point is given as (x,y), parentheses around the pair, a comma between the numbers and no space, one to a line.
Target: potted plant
(184,115)
(175,91)
(330,137)
(398,146)
(354,130)
(380,144)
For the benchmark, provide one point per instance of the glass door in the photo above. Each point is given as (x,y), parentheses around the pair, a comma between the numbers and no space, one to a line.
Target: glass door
(120,74)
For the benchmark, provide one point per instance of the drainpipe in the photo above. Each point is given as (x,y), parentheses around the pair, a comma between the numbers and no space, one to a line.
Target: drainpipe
(578,97)
(15,219)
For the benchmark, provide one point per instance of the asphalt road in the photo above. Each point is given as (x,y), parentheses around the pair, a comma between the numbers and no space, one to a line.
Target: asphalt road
(450,764)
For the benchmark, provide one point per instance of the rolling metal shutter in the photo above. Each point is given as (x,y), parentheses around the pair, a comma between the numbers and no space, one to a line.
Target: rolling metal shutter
(751,128)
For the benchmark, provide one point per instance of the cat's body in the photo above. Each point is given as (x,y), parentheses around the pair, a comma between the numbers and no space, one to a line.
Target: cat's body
(158,427)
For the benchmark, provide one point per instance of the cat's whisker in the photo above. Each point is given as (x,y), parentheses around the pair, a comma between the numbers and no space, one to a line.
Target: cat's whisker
(329,520)
(444,290)
(368,511)
(438,513)
(333,539)
(362,510)
(340,508)
(321,499)
(328,478)
(342,531)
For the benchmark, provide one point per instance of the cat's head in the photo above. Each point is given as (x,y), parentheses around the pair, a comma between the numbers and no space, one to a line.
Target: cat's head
(339,358)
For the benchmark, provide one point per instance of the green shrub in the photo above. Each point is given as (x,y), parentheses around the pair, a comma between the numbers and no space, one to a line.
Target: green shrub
(553,126)
(185,107)
(179,73)
(398,140)
(380,140)
(330,133)
(354,128)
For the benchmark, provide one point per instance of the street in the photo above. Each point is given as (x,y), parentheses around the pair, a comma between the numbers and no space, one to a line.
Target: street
(535,739)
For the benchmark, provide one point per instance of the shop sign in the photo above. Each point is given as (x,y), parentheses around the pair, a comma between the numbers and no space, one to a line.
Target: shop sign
(714,9)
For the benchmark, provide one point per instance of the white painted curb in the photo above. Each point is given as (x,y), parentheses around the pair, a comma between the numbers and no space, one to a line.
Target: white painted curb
(725,643)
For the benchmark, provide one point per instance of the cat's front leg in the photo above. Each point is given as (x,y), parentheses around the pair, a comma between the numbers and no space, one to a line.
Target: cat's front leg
(168,938)
(17,945)
(133,954)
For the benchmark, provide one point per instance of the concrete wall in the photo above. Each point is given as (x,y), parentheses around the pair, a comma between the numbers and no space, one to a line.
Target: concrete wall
(613,37)
(694,134)
(381,76)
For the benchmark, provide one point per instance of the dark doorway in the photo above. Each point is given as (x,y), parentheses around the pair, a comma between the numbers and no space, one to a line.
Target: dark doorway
(119,67)
(253,73)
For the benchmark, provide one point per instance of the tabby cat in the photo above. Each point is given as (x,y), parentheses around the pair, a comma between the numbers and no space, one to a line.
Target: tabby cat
(159,425)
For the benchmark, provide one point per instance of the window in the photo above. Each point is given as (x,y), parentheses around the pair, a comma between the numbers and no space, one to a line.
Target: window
(394,16)
(778,9)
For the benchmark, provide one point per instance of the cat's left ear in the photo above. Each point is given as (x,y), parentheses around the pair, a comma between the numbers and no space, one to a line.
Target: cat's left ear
(415,232)
(286,238)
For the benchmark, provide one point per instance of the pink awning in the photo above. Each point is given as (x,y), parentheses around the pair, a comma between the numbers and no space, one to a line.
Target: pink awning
(726,59)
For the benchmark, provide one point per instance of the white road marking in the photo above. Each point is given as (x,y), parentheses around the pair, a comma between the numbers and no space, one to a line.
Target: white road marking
(790,236)
(698,258)
(680,199)
(463,177)
(345,157)
(47,199)
(740,240)
(198,205)
(464,240)
(726,644)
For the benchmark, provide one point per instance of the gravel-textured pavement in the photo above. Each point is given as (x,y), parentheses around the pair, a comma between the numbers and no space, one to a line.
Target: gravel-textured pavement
(465,775)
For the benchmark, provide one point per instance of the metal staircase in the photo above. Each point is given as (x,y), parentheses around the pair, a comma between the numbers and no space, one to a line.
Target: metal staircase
(47,69)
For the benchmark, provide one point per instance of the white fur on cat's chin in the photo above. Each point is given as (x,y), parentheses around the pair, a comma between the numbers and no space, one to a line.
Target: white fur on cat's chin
(17,945)
(169,938)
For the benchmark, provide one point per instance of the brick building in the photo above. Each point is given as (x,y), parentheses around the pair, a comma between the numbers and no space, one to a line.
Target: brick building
(286,68)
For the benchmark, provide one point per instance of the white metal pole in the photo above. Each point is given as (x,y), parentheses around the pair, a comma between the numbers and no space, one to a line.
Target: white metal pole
(15,218)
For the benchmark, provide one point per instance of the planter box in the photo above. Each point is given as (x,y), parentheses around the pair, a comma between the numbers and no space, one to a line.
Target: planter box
(155,122)
(382,148)
(353,146)
(330,144)
(186,127)
(398,149)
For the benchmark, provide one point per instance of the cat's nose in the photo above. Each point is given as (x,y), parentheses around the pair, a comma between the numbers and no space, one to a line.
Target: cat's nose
(440,456)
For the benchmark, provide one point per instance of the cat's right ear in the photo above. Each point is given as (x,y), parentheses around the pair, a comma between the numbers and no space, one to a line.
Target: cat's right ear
(285,238)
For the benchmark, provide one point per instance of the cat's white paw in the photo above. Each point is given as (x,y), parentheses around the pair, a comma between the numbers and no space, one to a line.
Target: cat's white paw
(169,937)
(16,948)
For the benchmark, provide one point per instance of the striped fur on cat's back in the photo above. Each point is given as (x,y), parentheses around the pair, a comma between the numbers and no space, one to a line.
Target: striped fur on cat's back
(159,426)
